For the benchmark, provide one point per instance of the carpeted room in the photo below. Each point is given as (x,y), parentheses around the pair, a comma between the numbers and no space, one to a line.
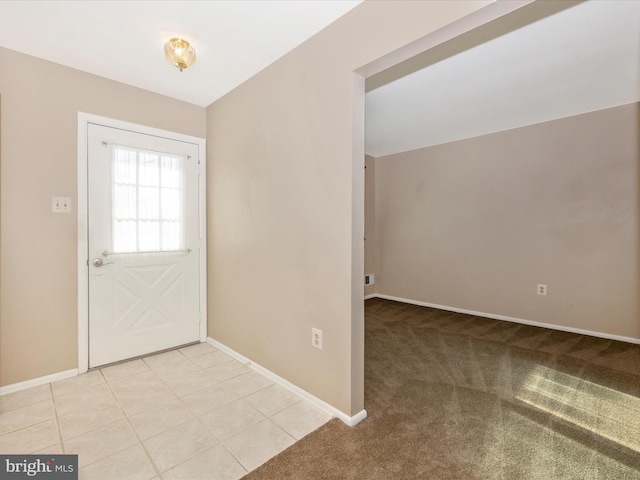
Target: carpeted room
(454,396)
(475,225)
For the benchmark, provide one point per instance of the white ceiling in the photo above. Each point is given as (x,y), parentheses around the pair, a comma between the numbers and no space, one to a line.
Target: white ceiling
(123,40)
(582,59)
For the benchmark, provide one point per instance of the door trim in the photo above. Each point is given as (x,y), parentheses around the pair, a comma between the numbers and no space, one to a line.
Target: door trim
(84,119)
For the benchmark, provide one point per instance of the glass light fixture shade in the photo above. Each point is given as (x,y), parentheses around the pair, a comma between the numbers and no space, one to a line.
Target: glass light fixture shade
(179,53)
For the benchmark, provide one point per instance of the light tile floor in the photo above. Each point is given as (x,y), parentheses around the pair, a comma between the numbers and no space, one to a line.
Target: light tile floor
(193,413)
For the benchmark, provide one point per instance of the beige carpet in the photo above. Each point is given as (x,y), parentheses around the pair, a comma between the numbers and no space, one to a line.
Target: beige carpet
(454,396)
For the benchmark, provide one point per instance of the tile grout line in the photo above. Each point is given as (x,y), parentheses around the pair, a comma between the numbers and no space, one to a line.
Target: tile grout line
(55,412)
(231,453)
(195,416)
(2,412)
(95,403)
(10,432)
(26,427)
(140,442)
(220,442)
(266,417)
(251,426)
(115,398)
(198,417)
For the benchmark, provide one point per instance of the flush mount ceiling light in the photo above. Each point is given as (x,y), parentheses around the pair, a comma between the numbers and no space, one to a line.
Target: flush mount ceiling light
(179,53)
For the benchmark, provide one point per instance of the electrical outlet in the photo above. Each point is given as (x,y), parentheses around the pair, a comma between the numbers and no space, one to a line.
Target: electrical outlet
(316,338)
(369,279)
(542,289)
(60,204)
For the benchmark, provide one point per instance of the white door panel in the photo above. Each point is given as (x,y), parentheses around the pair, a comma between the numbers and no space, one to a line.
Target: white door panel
(143,244)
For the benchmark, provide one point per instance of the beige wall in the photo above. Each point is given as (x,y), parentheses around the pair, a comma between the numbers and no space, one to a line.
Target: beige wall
(477,224)
(370,220)
(40,104)
(286,203)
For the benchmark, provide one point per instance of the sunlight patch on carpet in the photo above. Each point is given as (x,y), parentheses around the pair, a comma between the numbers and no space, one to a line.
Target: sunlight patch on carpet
(611,414)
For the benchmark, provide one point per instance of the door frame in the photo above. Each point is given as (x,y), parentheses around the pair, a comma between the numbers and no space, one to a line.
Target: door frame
(84,119)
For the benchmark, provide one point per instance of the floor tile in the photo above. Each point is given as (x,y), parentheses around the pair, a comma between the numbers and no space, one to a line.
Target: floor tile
(259,443)
(136,382)
(24,398)
(248,383)
(173,357)
(180,404)
(300,419)
(74,384)
(215,463)
(129,464)
(177,370)
(228,370)
(212,359)
(204,401)
(231,419)
(190,381)
(156,419)
(90,417)
(101,443)
(179,444)
(55,449)
(140,400)
(76,402)
(26,416)
(197,349)
(30,439)
(124,369)
(272,400)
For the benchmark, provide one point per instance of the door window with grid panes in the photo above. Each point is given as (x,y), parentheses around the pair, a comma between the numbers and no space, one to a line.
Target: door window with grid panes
(148,201)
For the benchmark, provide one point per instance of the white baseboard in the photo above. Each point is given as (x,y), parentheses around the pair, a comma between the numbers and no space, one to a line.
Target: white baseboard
(36,382)
(552,326)
(371,295)
(331,410)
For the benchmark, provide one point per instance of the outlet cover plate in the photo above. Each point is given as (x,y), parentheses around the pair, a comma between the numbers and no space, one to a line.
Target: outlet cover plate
(316,338)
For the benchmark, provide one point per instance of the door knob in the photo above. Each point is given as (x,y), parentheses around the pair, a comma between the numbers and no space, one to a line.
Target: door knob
(98,262)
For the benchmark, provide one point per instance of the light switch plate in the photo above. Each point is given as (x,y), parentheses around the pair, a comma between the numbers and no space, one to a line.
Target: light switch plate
(60,204)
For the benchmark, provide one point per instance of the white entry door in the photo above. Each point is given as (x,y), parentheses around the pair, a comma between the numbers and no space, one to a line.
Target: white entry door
(143,231)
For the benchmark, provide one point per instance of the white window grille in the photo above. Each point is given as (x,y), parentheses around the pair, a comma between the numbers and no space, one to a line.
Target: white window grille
(148,201)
